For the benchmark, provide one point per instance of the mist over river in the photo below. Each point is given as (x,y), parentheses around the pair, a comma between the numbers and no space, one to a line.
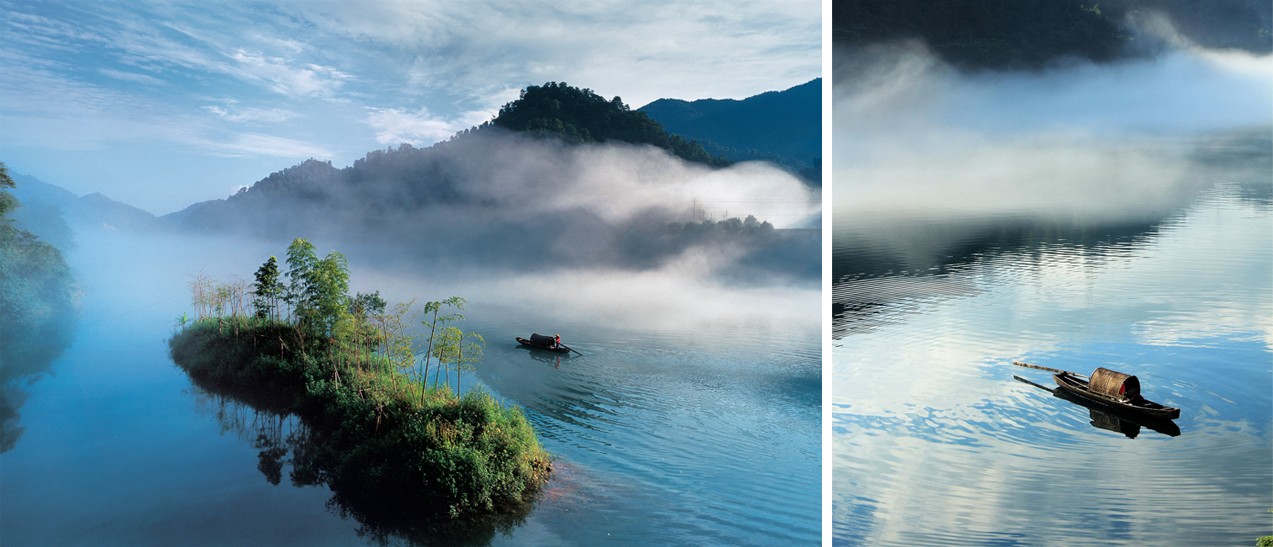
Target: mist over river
(703,428)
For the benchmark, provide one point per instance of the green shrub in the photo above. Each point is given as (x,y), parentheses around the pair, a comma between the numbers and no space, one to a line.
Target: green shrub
(385,447)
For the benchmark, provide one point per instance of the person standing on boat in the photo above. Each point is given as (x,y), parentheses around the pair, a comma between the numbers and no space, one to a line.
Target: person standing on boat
(556,340)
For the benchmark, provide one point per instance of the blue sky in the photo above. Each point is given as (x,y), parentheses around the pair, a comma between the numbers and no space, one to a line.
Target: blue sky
(163,104)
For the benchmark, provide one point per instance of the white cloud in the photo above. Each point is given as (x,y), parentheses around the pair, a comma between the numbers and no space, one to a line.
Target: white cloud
(231,112)
(256,144)
(286,77)
(126,76)
(421,127)
(641,51)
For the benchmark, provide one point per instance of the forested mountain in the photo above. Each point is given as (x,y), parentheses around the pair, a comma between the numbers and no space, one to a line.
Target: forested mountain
(1029,34)
(560,178)
(408,177)
(581,116)
(781,127)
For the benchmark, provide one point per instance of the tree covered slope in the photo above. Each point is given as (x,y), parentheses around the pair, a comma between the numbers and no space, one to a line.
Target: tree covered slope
(782,127)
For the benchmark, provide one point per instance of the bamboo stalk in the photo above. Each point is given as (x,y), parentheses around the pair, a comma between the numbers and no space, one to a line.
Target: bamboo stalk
(1059,371)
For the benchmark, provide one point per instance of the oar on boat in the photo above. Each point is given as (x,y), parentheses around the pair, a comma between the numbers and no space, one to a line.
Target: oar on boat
(1056,370)
(1044,388)
(571,349)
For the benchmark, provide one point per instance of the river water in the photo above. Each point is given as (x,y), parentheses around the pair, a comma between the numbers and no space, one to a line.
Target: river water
(934,442)
(708,435)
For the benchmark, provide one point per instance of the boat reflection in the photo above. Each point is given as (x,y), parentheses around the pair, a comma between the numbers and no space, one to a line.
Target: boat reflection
(550,358)
(1123,422)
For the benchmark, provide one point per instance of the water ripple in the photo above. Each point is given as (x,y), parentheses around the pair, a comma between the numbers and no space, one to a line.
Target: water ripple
(935,443)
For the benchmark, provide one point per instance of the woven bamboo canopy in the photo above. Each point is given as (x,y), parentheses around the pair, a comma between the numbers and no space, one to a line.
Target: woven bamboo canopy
(1115,384)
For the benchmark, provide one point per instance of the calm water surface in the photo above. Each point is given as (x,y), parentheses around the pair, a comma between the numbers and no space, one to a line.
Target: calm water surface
(935,443)
(710,436)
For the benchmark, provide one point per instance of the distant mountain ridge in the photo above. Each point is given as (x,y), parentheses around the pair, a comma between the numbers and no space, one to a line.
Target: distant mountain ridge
(781,127)
(49,211)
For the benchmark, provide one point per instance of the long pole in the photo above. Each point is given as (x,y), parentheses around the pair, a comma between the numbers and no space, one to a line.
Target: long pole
(1028,365)
(1044,388)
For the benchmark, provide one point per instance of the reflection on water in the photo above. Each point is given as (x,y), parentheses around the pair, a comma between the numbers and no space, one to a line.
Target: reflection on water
(37,325)
(896,265)
(272,433)
(1129,426)
(284,441)
(549,358)
(934,443)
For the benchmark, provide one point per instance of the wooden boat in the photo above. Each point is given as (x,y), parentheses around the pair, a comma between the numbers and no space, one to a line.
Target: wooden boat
(1074,384)
(1114,419)
(532,345)
(1127,423)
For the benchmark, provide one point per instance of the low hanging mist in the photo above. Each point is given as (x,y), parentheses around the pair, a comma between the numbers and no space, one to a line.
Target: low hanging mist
(1101,142)
(493,200)
(513,222)
(930,159)
(568,223)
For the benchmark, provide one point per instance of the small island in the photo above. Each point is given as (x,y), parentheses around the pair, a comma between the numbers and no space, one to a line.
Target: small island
(385,430)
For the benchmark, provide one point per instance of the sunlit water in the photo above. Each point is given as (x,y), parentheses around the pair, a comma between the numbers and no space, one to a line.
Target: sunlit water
(935,443)
(709,436)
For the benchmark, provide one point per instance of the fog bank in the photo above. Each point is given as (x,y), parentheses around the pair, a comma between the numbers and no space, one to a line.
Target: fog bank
(493,202)
(1089,141)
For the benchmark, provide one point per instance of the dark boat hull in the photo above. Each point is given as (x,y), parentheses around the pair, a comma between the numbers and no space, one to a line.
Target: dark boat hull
(1077,387)
(527,343)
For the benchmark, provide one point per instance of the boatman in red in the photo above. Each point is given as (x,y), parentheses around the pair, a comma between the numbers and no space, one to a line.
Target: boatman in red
(556,340)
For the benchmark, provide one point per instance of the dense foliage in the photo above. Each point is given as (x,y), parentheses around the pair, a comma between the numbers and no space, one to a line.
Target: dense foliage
(394,446)
(37,308)
(581,116)
(1008,34)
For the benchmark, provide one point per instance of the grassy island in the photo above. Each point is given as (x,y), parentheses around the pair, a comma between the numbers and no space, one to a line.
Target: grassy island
(392,445)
